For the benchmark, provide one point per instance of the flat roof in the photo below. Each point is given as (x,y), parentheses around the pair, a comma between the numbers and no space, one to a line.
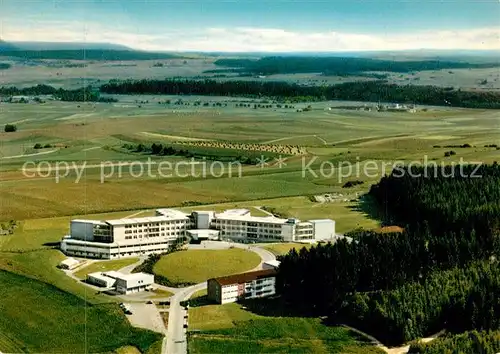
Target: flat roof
(70,261)
(172,213)
(240,211)
(263,219)
(113,274)
(321,220)
(245,277)
(88,221)
(100,276)
(148,219)
(135,276)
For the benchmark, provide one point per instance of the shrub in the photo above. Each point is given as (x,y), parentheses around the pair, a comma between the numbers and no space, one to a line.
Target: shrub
(9,128)
(350,184)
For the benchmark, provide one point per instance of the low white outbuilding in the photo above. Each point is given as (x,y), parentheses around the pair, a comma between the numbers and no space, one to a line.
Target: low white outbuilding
(122,283)
(133,283)
(102,280)
(69,263)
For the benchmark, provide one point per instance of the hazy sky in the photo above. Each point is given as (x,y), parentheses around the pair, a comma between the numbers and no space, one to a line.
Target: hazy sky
(257,25)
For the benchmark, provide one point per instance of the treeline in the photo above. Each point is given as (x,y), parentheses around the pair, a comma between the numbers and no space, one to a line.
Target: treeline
(168,150)
(319,279)
(373,91)
(457,300)
(88,54)
(78,95)
(378,281)
(473,342)
(459,198)
(339,65)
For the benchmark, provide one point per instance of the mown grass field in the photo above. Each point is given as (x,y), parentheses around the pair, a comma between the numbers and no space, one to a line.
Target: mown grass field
(103,266)
(230,329)
(196,266)
(37,317)
(283,248)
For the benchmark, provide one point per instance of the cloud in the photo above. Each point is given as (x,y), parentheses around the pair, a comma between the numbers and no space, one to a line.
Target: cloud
(246,39)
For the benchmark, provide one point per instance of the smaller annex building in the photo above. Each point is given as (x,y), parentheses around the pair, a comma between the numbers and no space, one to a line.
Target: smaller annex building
(69,264)
(121,283)
(249,285)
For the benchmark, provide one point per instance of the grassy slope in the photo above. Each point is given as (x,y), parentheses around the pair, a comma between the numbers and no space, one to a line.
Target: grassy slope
(37,317)
(197,266)
(103,266)
(230,329)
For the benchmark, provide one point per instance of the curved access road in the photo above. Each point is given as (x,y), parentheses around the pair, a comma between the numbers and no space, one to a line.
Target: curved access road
(176,341)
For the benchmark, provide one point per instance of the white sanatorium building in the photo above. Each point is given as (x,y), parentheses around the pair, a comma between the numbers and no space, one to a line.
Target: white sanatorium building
(109,239)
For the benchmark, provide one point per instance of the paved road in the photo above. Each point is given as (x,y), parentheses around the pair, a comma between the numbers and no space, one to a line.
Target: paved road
(146,316)
(128,269)
(176,341)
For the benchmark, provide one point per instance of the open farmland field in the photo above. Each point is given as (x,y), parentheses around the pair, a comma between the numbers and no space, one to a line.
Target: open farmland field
(57,74)
(86,141)
(37,317)
(99,72)
(196,266)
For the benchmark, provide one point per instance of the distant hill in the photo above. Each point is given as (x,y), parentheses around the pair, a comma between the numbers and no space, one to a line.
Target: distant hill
(67,46)
(87,54)
(342,65)
(6,46)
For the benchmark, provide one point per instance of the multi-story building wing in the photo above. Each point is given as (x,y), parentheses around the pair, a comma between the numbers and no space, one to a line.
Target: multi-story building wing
(250,285)
(109,239)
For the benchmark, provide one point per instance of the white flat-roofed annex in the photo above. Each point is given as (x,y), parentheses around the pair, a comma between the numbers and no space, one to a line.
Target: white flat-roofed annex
(133,276)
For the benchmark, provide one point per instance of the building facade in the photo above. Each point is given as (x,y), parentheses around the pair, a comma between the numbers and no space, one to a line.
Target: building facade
(111,239)
(237,287)
(121,283)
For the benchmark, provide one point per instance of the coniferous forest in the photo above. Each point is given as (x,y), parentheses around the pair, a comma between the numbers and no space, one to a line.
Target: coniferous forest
(440,273)
(370,91)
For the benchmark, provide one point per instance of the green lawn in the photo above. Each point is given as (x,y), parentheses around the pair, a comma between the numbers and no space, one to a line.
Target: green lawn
(102,266)
(159,293)
(37,317)
(196,266)
(211,317)
(199,293)
(283,248)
